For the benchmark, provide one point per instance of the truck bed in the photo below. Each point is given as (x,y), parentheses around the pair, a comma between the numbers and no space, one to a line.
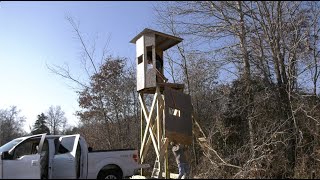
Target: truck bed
(121,157)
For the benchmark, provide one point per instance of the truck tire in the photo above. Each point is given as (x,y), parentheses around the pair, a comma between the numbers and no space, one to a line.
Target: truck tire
(109,174)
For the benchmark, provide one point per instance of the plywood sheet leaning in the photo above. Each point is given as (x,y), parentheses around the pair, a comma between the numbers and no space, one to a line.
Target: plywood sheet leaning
(178,116)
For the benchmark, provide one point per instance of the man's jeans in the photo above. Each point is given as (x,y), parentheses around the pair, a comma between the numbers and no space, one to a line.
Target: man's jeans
(183,171)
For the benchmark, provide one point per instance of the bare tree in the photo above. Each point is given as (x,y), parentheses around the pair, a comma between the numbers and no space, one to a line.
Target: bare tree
(312,60)
(56,119)
(107,97)
(11,123)
(87,61)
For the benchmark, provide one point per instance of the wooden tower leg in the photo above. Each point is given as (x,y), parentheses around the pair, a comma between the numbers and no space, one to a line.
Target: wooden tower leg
(159,138)
(141,136)
(167,164)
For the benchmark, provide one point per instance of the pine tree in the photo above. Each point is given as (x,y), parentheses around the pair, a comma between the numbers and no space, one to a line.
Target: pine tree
(40,125)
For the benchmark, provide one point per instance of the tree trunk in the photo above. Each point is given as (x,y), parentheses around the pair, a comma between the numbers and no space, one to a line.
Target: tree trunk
(247,77)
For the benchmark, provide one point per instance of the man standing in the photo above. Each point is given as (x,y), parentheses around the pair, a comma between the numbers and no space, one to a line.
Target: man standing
(178,152)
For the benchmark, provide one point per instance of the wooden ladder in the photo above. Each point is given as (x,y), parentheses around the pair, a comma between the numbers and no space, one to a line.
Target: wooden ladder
(156,172)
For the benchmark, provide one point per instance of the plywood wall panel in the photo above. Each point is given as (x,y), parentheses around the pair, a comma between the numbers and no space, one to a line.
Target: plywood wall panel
(178,128)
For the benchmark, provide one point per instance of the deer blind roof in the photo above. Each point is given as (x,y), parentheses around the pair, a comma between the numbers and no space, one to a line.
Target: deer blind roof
(163,41)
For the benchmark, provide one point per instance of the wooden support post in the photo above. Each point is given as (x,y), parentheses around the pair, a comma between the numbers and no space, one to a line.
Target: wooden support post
(164,146)
(148,143)
(141,131)
(158,121)
(158,137)
(167,164)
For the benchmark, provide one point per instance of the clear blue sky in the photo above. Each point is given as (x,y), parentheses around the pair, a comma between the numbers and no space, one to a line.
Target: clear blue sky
(35,33)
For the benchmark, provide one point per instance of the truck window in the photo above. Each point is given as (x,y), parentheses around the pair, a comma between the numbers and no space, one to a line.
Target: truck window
(10,145)
(66,145)
(26,148)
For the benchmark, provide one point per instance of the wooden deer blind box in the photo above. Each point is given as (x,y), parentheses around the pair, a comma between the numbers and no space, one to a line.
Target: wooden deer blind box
(170,116)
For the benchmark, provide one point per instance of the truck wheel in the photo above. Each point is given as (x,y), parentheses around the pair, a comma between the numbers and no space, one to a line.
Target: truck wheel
(109,174)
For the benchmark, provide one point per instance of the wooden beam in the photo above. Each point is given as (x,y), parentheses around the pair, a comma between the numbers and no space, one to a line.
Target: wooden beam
(158,125)
(148,119)
(166,165)
(164,147)
(141,130)
(146,147)
(159,115)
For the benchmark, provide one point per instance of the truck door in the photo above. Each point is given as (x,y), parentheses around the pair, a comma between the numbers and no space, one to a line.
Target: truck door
(65,161)
(24,161)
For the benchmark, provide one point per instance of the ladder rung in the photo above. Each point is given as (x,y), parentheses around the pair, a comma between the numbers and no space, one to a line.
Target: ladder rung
(156,170)
(155,173)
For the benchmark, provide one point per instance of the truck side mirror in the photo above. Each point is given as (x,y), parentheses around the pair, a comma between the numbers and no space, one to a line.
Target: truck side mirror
(6,156)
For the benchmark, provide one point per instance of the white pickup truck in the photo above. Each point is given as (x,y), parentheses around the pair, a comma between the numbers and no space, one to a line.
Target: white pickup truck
(64,157)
